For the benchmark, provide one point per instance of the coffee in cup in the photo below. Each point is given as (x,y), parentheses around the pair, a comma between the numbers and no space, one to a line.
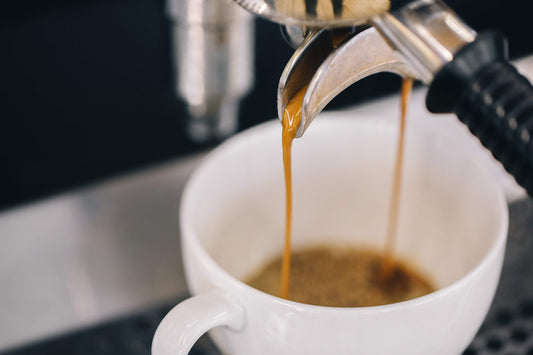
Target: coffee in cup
(343,277)
(452,226)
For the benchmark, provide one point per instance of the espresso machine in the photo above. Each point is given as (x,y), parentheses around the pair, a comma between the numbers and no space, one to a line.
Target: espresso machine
(467,73)
(99,235)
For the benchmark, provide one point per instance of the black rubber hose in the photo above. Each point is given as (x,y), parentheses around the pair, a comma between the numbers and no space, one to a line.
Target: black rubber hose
(496,103)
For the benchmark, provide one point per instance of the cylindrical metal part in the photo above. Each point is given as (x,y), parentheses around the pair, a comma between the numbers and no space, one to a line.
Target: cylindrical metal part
(427,33)
(213,53)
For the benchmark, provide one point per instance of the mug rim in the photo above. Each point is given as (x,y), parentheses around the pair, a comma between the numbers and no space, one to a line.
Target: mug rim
(188,233)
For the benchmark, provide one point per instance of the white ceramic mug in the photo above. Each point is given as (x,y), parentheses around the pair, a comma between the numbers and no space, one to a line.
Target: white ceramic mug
(453,226)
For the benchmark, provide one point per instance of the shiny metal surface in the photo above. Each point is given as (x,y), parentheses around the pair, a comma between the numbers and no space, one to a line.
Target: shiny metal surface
(213,54)
(91,255)
(427,33)
(293,35)
(365,54)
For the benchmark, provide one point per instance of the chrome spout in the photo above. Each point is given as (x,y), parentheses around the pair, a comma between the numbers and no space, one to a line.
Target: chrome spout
(360,56)
(213,47)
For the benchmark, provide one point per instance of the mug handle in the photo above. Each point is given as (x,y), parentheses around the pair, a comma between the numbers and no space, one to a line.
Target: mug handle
(190,319)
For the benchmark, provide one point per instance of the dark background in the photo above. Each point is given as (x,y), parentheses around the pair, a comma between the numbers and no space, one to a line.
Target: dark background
(86,87)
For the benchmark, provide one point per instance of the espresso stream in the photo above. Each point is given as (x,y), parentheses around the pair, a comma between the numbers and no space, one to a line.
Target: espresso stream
(394,205)
(334,277)
(290,122)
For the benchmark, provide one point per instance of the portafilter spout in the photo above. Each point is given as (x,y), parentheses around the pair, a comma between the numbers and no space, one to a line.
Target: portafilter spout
(357,57)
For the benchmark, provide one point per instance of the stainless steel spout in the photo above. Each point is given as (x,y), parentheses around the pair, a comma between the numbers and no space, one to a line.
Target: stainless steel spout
(213,46)
(427,33)
(360,56)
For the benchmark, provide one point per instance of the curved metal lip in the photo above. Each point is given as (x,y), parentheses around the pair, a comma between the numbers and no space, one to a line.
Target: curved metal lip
(305,61)
(365,54)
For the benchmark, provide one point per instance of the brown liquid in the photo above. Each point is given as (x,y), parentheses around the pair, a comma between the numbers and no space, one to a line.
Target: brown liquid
(290,122)
(394,206)
(343,278)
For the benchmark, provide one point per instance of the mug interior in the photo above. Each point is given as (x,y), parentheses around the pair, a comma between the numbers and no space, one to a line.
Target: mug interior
(451,209)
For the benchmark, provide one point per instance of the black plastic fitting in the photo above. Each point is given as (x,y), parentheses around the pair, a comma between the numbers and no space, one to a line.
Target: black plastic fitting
(496,103)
